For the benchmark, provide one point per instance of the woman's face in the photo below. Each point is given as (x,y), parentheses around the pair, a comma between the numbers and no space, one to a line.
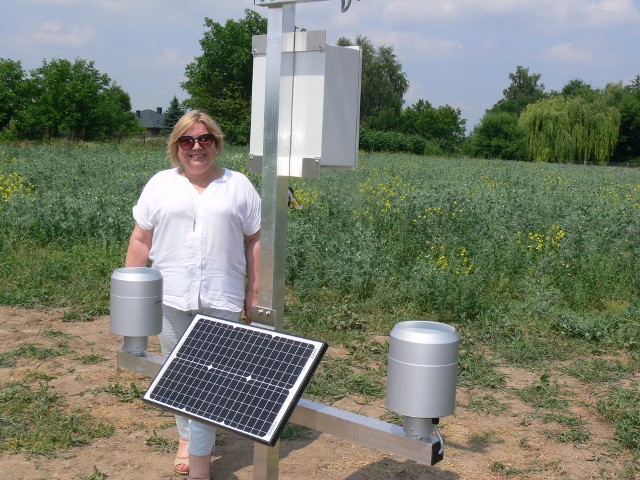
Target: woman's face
(199,162)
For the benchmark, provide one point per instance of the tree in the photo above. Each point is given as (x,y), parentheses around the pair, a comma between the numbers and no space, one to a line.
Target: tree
(12,90)
(112,114)
(64,94)
(383,85)
(172,115)
(523,90)
(443,125)
(626,98)
(498,135)
(219,81)
(74,100)
(561,129)
(578,88)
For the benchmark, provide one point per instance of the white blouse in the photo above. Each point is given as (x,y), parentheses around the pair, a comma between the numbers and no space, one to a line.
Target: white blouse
(198,238)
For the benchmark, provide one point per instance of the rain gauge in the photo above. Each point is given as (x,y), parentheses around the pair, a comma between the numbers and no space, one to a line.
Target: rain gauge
(305,117)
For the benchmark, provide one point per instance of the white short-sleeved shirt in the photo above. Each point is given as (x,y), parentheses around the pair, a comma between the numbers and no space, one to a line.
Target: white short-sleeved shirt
(198,238)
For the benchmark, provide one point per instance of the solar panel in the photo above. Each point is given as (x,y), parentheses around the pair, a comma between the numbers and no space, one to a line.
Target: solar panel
(238,377)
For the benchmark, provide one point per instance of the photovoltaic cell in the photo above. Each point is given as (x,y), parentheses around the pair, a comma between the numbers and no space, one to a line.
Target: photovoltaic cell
(238,377)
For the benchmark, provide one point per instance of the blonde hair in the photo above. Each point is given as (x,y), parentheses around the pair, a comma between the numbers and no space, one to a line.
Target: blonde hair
(187,121)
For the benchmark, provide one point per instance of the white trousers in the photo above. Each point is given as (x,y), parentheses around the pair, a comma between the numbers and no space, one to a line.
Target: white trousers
(201,436)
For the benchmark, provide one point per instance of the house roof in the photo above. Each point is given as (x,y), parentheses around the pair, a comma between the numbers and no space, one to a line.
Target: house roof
(149,118)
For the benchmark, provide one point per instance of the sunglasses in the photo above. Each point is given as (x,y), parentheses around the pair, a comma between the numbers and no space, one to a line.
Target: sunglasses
(187,142)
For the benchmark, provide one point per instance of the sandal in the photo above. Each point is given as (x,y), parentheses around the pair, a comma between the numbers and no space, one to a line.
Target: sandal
(181,465)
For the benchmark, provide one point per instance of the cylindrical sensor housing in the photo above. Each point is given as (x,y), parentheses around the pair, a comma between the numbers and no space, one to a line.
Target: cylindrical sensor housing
(136,302)
(422,369)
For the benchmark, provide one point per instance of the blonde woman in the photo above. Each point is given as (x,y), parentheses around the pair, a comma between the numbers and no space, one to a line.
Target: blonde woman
(199,225)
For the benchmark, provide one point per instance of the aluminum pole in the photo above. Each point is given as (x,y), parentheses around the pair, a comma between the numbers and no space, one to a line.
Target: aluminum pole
(273,228)
(277,144)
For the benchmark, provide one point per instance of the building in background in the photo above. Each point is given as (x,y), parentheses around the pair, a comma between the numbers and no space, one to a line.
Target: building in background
(151,120)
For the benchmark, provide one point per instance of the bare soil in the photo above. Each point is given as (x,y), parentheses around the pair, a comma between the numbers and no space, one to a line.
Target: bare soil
(515,443)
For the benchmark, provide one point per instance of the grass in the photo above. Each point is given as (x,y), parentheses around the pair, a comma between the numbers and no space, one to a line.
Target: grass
(95,475)
(91,358)
(621,407)
(30,350)
(534,264)
(122,393)
(476,370)
(536,466)
(294,432)
(161,444)
(544,394)
(35,420)
(487,404)
(600,370)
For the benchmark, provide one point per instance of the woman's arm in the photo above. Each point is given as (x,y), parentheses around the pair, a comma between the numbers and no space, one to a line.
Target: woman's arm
(139,247)
(252,251)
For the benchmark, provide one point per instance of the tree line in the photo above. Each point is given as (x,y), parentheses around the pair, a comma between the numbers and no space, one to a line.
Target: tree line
(576,124)
(62,99)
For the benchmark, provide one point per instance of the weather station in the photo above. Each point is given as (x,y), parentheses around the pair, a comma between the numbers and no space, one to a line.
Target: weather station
(305,117)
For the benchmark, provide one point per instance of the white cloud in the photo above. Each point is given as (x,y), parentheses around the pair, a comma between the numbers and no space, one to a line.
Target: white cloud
(608,12)
(584,53)
(539,13)
(167,58)
(567,52)
(57,34)
(112,6)
(414,43)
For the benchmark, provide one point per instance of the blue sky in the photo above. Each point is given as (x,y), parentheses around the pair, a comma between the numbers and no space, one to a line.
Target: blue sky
(455,52)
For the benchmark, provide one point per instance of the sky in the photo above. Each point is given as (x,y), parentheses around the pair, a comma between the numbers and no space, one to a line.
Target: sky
(453,52)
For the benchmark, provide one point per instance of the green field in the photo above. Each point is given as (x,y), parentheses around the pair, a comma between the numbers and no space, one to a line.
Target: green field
(535,263)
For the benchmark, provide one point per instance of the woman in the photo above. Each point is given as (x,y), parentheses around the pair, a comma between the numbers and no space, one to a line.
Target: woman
(199,225)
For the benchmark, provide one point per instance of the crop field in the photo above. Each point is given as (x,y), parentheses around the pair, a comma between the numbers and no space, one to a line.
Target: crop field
(536,265)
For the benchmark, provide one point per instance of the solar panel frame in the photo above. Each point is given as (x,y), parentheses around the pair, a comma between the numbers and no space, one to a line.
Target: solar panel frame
(241,378)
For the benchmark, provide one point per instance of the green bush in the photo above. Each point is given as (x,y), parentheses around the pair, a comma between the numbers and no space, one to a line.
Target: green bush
(389,141)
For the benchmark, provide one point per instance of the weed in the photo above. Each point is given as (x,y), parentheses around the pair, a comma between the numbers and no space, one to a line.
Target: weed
(35,421)
(543,394)
(488,404)
(599,370)
(366,384)
(572,435)
(630,469)
(123,393)
(480,442)
(294,432)
(621,407)
(524,443)
(90,359)
(55,333)
(504,469)
(536,466)
(161,444)
(476,370)
(336,379)
(95,475)
(31,350)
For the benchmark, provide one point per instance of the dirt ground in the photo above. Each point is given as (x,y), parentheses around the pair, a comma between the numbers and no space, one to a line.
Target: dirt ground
(511,444)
